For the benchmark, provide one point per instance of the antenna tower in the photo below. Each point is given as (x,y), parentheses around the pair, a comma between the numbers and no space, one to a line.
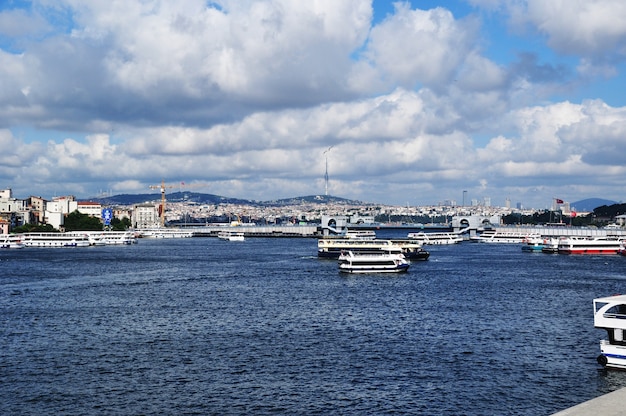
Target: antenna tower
(326,174)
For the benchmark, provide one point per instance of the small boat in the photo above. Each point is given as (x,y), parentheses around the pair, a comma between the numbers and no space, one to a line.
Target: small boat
(610,314)
(435,238)
(55,240)
(381,262)
(550,245)
(590,245)
(231,235)
(11,241)
(533,244)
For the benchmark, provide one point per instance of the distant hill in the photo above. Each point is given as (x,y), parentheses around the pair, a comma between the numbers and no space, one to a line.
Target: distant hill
(590,204)
(199,198)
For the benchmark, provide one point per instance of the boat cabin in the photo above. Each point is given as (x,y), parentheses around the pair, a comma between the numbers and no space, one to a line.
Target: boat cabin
(610,314)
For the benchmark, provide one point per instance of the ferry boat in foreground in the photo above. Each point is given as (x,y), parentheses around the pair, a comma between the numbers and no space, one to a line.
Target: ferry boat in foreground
(590,245)
(333,247)
(382,262)
(435,238)
(11,241)
(610,314)
(55,240)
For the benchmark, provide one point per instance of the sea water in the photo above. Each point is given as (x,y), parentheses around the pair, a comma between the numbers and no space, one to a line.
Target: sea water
(204,326)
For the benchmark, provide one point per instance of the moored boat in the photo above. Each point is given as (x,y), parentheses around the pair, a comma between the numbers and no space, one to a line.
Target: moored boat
(497,236)
(373,262)
(550,245)
(107,238)
(533,244)
(435,238)
(231,235)
(11,241)
(610,314)
(590,245)
(55,240)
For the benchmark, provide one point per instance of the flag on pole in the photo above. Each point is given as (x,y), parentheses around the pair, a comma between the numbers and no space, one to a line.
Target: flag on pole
(559,201)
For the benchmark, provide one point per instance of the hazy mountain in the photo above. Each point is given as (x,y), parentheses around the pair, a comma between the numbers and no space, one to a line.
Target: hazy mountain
(589,204)
(199,198)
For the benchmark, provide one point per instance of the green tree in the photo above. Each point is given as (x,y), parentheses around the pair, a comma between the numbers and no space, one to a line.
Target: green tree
(76,221)
(120,225)
(33,228)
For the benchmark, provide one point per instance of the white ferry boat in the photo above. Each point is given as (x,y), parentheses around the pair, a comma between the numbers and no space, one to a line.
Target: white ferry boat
(112,238)
(165,233)
(11,241)
(610,314)
(55,240)
(333,247)
(497,236)
(435,238)
(382,262)
(590,245)
(231,235)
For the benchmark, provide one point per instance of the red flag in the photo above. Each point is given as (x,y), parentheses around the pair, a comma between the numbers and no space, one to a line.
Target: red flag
(559,201)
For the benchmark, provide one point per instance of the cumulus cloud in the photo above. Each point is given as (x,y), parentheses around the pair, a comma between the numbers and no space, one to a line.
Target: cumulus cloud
(248,95)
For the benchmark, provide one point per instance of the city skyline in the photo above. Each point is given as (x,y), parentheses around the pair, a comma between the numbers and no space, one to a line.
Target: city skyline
(386,102)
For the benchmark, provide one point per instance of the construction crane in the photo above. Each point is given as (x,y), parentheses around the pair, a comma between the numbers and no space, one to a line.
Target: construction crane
(163,187)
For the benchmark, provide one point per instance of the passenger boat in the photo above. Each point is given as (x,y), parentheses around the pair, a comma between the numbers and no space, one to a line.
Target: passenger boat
(11,241)
(590,245)
(231,235)
(610,314)
(533,244)
(166,233)
(435,238)
(55,240)
(550,245)
(361,234)
(497,236)
(107,238)
(333,247)
(373,262)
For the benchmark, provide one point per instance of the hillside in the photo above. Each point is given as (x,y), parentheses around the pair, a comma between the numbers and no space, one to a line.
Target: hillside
(588,205)
(200,198)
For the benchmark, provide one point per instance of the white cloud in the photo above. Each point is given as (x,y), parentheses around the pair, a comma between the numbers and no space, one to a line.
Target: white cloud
(414,47)
(248,95)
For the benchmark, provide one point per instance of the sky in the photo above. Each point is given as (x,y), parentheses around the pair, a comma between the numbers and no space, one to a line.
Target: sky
(402,103)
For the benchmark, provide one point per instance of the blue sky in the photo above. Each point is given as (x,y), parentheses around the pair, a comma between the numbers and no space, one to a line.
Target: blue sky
(512,99)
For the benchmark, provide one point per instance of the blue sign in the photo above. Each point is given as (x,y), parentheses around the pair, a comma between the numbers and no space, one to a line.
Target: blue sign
(107,215)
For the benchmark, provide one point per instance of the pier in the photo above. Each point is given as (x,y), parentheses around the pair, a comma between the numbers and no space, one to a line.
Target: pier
(610,404)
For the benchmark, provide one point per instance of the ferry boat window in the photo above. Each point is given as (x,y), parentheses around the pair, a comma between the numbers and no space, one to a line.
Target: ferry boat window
(617,311)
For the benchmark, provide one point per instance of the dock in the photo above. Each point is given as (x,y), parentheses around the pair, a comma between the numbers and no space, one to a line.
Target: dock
(610,404)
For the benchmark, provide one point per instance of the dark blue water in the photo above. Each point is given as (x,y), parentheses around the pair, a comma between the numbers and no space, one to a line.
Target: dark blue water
(204,326)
